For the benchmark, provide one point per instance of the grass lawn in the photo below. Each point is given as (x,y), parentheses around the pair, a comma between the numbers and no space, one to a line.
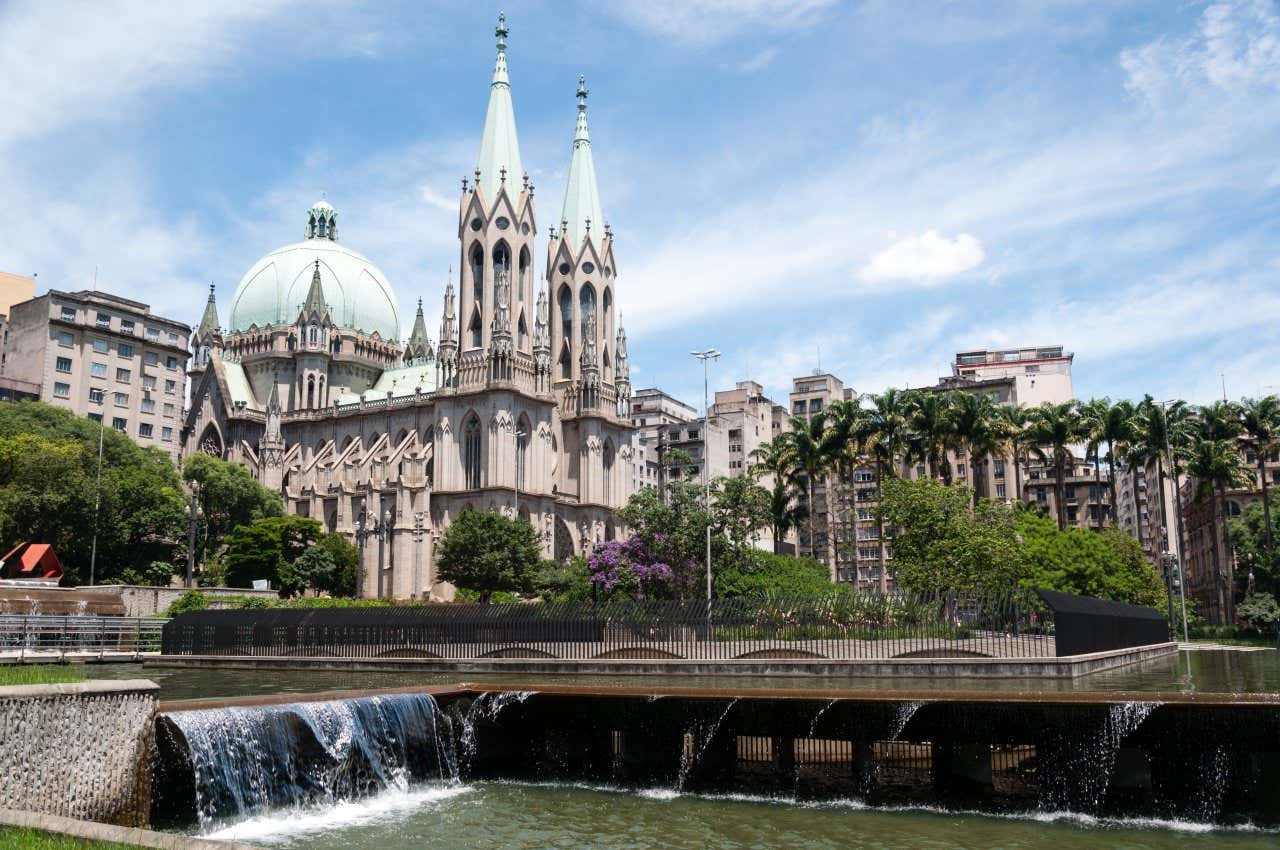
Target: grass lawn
(39,674)
(15,838)
(1268,643)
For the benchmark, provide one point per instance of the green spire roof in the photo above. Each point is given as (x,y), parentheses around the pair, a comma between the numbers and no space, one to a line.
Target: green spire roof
(315,295)
(499,147)
(418,337)
(581,212)
(209,321)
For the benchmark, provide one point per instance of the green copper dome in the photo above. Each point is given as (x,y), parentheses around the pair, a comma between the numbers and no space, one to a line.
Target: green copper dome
(273,291)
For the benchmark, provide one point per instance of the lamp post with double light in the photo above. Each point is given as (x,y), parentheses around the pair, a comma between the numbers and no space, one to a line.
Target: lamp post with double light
(705,356)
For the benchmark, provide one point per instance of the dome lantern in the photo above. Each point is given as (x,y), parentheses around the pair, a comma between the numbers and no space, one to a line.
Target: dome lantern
(322,221)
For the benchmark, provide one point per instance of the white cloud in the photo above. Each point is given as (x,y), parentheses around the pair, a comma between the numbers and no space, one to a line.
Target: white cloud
(433,198)
(704,22)
(761,60)
(1234,50)
(924,260)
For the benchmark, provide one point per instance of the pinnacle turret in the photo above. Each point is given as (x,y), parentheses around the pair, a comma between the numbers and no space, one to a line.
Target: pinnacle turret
(499,146)
(315,303)
(419,348)
(581,195)
(209,321)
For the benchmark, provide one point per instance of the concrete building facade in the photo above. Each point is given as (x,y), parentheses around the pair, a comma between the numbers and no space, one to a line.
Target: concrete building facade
(101,356)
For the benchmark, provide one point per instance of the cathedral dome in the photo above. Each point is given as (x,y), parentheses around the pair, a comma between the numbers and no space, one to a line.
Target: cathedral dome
(273,290)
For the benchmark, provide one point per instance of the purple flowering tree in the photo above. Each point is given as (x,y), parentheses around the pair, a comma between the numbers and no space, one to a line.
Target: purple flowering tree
(628,567)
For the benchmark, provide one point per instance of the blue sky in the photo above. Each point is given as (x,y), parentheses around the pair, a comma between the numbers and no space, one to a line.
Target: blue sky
(885,182)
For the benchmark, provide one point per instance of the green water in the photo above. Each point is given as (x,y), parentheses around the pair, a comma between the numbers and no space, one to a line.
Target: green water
(500,815)
(1208,671)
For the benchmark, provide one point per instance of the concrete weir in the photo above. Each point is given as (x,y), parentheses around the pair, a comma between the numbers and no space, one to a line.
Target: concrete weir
(1066,667)
(1203,757)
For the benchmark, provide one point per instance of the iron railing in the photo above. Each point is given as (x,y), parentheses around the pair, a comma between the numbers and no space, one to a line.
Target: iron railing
(44,635)
(1009,624)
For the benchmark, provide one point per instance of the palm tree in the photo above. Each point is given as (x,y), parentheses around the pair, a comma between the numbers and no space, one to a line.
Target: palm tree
(1093,416)
(1054,429)
(1260,421)
(1216,465)
(808,450)
(843,444)
(773,459)
(929,416)
(884,437)
(1151,431)
(1013,427)
(977,426)
(1116,430)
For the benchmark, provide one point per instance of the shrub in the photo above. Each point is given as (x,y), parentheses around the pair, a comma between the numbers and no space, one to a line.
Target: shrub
(765,574)
(191,600)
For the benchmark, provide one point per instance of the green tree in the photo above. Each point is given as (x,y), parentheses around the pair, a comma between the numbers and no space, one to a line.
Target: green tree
(229,496)
(1260,421)
(808,453)
(345,557)
(785,512)
(762,574)
(313,568)
(942,542)
(1108,564)
(1053,430)
(488,553)
(675,531)
(1248,533)
(931,420)
(739,509)
(978,426)
(49,485)
(266,549)
(1216,465)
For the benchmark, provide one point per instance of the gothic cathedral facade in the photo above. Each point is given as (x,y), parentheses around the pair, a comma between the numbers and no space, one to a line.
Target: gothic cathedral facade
(521,407)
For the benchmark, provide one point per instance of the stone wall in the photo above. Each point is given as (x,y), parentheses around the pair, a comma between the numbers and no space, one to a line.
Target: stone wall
(143,601)
(78,750)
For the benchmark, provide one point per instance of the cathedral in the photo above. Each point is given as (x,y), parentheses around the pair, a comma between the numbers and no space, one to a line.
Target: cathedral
(520,406)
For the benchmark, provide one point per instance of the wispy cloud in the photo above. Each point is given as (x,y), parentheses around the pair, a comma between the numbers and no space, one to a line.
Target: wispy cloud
(758,61)
(703,22)
(925,260)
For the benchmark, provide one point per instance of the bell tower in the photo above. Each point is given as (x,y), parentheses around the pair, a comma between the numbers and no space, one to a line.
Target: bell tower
(497,227)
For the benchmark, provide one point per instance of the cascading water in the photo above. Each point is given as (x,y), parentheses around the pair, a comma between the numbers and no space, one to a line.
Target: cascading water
(246,760)
(903,712)
(487,706)
(1085,762)
(691,756)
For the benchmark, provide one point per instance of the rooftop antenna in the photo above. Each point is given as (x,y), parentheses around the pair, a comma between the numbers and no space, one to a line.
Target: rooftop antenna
(1223,375)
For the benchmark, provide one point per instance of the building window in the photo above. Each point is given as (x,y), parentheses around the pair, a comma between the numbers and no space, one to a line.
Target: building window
(144,430)
(1000,490)
(169,410)
(61,390)
(171,363)
(997,467)
(151,358)
(173,339)
(68,314)
(148,405)
(65,339)
(693,433)
(96,417)
(119,423)
(104,320)
(166,434)
(471,459)
(798,407)
(122,399)
(124,349)
(98,370)
(960,469)
(152,335)
(608,473)
(126,326)
(96,395)
(100,346)
(148,382)
(124,375)
(170,387)
(920,471)
(815,404)
(62,364)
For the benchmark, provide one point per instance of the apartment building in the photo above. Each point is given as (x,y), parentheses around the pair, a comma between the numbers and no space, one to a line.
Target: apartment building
(102,356)
(829,533)
(652,410)
(1039,374)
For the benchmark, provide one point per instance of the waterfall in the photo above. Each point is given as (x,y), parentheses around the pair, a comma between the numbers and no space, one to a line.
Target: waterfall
(813,725)
(245,760)
(902,714)
(487,706)
(690,757)
(1085,759)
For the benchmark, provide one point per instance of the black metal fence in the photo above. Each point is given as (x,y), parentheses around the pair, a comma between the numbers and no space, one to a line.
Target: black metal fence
(1008,624)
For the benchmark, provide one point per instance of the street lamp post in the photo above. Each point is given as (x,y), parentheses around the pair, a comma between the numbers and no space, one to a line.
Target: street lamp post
(193,521)
(378,528)
(704,356)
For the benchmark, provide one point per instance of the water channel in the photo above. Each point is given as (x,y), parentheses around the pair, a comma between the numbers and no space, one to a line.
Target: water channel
(430,805)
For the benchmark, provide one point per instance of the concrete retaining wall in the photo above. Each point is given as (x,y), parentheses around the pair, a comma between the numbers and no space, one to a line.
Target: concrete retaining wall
(143,601)
(90,831)
(78,750)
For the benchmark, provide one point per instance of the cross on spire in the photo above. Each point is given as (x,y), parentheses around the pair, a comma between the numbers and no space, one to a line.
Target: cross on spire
(502,32)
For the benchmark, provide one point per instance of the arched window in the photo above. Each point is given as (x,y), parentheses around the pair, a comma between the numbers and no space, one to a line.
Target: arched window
(522,332)
(477,274)
(607,303)
(566,316)
(315,334)
(471,452)
(566,362)
(522,451)
(587,298)
(293,342)
(311,393)
(311,226)
(608,472)
(501,262)
(525,267)
(606,365)
(475,330)
(320,227)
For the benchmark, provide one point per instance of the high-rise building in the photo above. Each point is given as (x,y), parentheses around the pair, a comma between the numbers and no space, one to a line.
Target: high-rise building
(1039,374)
(521,407)
(651,411)
(14,289)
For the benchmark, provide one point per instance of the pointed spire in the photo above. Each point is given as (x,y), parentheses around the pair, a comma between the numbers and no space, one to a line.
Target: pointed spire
(499,147)
(449,320)
(315,296)
(419,348)
(581,194)
(209,321)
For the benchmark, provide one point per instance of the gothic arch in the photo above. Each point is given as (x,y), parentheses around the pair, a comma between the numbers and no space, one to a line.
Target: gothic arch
(564,547)
(211,442)
(524,434)
(472,451)
(608,457)
(587,302)
(477,273)
(610,530)
(525,270)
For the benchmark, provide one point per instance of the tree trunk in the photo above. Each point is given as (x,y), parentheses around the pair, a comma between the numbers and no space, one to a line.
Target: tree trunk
(813,515)
(1097,489)
(1017,476)
(1060,490)
(884,568)
(1115,498)
(1266,507)
(1137,523)
(1231,561)
(1217,560)
(1164,513)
